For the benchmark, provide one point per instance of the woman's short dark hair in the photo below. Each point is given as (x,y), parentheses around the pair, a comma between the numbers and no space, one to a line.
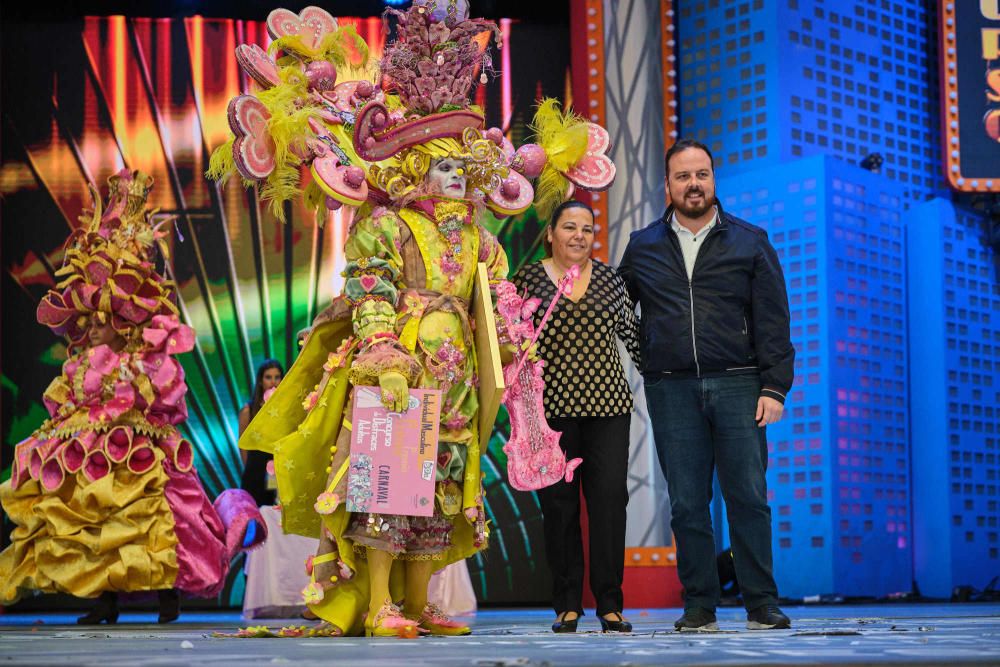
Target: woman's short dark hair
(566,205)
(683,145)
(257,399)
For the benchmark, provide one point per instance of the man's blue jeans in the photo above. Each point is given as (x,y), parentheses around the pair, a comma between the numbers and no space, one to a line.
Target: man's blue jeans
(699,424)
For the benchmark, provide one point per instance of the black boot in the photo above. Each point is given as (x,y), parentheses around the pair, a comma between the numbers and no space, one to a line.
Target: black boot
(105,610)
(170,605)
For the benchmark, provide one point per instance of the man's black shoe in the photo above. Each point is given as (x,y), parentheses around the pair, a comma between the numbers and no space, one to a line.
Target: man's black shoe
(696,619)
(767,617)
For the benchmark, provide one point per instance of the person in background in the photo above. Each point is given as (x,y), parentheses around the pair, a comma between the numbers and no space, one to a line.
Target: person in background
(267,594)
(255,475)
(588,399)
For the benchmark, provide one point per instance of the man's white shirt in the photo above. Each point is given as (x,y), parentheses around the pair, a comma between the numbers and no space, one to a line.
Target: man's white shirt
(691,243)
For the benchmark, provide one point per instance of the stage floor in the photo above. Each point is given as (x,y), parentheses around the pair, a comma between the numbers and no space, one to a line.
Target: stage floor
(901,634)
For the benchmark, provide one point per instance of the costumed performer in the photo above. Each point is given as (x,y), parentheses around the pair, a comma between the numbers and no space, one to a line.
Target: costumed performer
(408,150)
(104,495)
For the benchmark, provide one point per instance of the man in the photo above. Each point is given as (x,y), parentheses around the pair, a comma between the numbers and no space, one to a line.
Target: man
(718,362)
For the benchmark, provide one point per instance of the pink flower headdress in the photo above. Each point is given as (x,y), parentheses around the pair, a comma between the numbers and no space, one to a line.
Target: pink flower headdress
(108,271)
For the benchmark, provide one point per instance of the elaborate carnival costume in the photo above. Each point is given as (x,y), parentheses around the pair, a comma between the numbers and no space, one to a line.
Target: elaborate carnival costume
(403,320)
(104,495)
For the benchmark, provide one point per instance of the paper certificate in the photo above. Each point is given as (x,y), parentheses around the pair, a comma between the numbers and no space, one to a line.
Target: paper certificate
(393,454)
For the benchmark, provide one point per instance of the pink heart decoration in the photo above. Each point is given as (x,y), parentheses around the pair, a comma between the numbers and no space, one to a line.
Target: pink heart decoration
(368,282)
(312,24)
(258,65)
(595,171)
(253,150)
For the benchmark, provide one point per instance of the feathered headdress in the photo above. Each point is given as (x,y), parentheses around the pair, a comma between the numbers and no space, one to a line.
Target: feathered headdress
(372,139)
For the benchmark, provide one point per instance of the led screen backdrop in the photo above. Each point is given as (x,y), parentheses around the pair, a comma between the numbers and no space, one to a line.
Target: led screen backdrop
(83,99)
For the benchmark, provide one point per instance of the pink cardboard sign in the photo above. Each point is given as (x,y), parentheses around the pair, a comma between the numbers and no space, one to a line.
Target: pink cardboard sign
(393,454)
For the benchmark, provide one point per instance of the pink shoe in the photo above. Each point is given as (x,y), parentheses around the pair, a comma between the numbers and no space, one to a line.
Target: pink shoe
(390,622)
(436,622)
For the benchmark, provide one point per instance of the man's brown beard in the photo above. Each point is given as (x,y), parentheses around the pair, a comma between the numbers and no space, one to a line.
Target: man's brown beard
(695,211)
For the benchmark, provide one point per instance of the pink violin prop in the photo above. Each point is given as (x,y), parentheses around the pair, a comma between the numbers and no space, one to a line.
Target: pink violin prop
(534,458)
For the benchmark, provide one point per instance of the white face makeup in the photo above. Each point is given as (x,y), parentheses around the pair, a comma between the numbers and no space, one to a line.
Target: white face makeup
(447,177)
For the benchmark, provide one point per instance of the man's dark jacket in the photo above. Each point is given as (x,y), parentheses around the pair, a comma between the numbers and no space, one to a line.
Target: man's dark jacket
(731,318)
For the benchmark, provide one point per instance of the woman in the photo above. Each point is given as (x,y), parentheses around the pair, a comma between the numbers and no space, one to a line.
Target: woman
(254,480)
(587,399)
(103,494)
(401,322)
(421,172)
(268,594)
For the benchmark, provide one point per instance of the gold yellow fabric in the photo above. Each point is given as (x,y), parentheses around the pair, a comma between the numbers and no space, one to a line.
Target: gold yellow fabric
(115,534)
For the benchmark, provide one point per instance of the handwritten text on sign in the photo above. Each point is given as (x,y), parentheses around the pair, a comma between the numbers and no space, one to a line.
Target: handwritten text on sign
(393,454)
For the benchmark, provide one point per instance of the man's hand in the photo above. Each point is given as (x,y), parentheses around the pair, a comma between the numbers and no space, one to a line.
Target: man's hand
(769,411)
(395,394)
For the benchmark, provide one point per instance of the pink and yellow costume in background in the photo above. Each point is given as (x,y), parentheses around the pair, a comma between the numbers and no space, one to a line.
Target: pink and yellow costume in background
(412,258)
(104,494)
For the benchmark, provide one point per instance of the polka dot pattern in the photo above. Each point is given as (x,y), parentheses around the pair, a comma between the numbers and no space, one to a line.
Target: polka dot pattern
(583,368)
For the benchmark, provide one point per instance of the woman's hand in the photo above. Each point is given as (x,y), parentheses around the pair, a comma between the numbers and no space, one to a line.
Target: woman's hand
(395,394)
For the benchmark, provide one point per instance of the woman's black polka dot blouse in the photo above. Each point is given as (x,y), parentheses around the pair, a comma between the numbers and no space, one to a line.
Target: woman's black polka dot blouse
(583,368)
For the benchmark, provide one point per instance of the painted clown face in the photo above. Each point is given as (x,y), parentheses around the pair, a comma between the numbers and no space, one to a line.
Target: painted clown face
(447,177)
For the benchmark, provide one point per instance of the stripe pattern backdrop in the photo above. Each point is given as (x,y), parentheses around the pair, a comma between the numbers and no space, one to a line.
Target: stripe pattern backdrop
(85,99)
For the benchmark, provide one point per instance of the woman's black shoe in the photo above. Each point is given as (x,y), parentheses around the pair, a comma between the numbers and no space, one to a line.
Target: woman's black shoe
(563,625)
(620,625)
(170,605)
(105,610)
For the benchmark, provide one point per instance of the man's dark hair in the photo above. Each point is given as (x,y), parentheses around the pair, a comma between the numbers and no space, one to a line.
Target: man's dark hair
(683,145)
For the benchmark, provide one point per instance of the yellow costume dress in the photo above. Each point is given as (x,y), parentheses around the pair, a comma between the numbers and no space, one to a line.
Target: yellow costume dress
(306,423)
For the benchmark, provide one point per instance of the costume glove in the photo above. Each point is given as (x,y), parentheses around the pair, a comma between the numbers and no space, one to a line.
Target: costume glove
(507,354)
(395,394)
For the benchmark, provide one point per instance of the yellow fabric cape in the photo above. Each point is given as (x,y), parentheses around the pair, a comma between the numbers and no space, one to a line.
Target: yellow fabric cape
(300,442)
